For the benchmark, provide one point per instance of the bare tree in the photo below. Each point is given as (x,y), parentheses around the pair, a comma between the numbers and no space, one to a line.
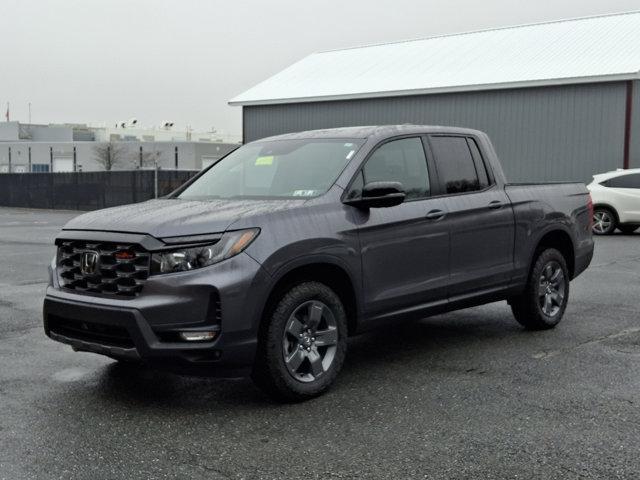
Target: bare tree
(110,154)
(149,159)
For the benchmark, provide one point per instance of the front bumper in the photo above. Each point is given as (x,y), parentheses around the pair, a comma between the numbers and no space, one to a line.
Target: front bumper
(224,297)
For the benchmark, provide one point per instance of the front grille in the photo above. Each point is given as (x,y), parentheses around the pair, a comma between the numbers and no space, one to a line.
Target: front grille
(101,334)
(121,269)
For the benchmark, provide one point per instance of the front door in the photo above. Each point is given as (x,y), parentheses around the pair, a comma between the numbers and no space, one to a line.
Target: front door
(404,249)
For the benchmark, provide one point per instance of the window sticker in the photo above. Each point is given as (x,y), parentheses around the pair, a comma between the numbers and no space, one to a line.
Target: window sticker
(264,160)
(304,193)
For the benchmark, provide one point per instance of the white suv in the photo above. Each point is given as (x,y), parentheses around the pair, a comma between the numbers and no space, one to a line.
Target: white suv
(616,201)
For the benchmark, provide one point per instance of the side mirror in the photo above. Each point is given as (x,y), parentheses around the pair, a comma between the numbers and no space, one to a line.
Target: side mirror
(379,195)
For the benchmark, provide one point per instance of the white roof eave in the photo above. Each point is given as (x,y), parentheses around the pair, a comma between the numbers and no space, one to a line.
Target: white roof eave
(585,50)
(432,91)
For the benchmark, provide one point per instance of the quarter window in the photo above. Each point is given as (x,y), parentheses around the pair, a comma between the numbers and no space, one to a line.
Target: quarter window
(456,167)
(481,168)
(400,161)
(624,181)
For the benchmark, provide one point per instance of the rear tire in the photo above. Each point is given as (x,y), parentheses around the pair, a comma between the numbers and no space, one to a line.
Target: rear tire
(604,221)
(627,229)
(303,346)
(542,304)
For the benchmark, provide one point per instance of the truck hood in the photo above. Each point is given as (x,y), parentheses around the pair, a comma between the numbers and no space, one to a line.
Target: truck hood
(173,217)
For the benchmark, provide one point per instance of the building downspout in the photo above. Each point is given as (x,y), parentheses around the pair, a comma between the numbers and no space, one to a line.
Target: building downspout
(627,125)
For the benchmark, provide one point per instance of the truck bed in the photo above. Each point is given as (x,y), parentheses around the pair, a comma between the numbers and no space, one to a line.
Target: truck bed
(540,207)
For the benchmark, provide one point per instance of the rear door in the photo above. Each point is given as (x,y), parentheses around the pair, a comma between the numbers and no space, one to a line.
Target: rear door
(404,249)
(479,215)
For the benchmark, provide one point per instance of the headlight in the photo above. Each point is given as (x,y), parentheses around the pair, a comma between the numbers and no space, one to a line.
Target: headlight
(190,258)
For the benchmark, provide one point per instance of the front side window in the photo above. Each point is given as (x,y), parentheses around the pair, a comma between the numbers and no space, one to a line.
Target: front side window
(400,161)
(276,169)
(455,164)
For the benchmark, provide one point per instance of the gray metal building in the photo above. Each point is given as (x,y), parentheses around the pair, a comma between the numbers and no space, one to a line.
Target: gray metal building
(561,100)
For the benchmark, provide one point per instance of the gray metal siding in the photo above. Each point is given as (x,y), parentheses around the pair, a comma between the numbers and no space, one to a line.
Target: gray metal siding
(634,153)
(550,133)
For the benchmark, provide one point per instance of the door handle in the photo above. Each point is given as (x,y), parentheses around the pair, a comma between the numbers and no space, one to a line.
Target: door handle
(435,214)
(495,204)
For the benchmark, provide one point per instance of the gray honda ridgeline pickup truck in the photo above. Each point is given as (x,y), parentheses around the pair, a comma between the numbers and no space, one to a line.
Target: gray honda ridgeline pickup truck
(267,261)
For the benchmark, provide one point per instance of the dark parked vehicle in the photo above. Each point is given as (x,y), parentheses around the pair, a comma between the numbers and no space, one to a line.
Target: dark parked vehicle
(267,261)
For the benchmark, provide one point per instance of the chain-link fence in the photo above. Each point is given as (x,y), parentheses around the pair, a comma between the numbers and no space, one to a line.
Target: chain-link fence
(87,190)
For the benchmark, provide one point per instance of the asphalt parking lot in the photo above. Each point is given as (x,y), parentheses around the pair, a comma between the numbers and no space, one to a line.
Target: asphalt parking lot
(462,395)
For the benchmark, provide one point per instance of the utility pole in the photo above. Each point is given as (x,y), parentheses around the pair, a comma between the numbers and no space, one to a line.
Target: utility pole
(155,179)
(29,112)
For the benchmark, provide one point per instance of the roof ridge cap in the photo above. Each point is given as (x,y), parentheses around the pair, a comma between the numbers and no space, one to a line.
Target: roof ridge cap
(482,30)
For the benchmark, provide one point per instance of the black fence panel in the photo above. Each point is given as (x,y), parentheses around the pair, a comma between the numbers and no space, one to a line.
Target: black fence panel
(86,190)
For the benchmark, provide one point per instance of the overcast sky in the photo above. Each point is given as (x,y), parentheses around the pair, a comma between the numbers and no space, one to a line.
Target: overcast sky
(182,60)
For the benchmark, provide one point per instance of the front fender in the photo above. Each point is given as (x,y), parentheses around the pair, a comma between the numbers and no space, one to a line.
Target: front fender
(279,269)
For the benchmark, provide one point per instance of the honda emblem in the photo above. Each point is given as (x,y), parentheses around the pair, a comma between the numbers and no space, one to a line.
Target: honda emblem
(89,263)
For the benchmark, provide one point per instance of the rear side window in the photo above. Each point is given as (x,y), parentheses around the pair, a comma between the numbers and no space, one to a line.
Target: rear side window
(400,161)
(624,181)
(456,165)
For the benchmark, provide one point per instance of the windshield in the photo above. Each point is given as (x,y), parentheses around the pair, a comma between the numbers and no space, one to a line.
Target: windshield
(276,169)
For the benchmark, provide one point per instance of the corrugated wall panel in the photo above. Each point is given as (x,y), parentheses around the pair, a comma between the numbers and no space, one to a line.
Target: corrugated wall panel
(551,133)
(634,157)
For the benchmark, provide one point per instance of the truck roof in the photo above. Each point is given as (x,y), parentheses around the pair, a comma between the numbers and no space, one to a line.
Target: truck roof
(371,131)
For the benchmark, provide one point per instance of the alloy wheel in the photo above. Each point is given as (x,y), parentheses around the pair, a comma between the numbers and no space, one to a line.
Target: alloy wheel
(551,289)
(602,222)
(310,341)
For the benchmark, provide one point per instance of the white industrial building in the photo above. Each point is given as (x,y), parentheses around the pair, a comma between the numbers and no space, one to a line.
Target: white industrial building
(66,148)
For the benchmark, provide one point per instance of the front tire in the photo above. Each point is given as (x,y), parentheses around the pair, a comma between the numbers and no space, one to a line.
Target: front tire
(604,221)
(541,306)
(303,346)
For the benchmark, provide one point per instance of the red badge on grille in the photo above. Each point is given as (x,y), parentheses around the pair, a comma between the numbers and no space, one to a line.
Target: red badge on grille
(125,255)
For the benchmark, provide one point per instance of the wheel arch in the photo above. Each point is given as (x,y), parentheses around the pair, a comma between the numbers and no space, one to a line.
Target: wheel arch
(608,206)
(328,271)
(561,240)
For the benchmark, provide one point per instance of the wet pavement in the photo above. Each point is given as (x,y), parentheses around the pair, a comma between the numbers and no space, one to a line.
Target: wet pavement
(463,395)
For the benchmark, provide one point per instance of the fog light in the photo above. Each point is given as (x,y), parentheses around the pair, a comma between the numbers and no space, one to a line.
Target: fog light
(197,336)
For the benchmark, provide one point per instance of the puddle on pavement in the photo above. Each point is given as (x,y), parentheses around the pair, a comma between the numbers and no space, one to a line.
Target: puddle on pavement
(71,374)
(628,343)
